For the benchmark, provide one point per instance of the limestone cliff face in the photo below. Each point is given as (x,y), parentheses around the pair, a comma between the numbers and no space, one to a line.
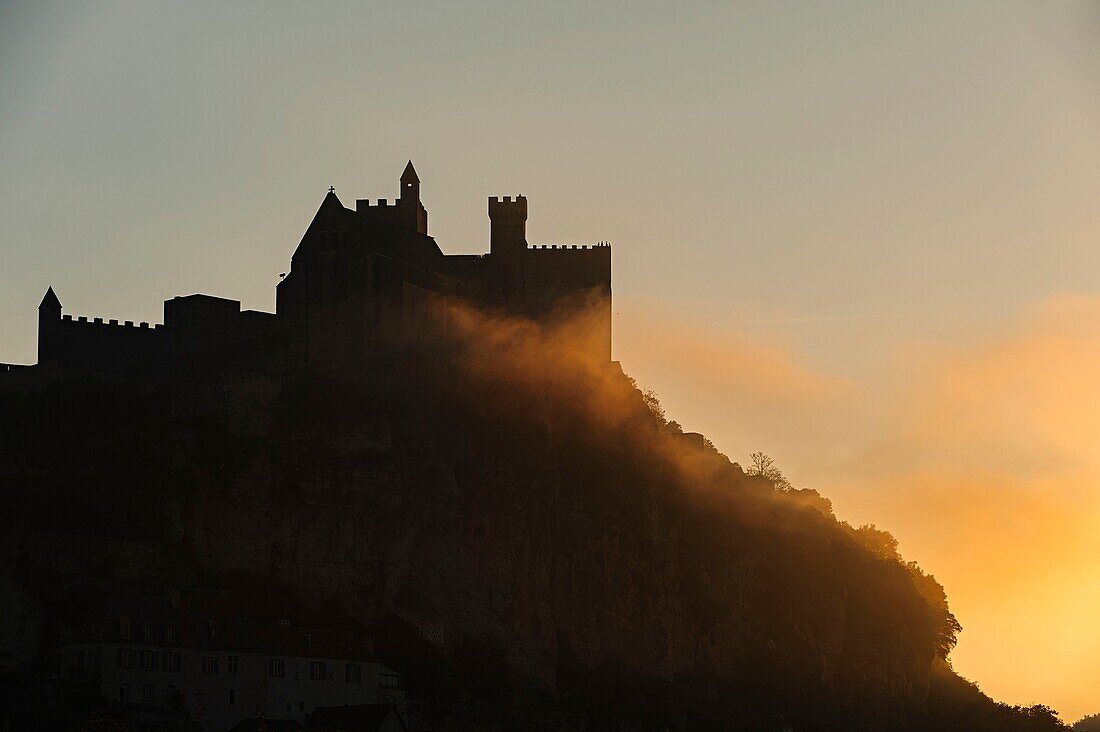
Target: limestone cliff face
(606,568)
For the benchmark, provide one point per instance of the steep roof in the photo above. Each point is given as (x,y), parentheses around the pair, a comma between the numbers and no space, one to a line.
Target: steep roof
(409,173)
(329,204)
(365,717)
(333,222)
(50,300)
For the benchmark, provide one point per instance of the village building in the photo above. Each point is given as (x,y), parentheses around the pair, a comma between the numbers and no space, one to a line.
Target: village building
(198,655)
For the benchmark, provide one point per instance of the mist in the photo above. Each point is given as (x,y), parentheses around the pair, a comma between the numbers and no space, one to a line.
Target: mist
(977,452)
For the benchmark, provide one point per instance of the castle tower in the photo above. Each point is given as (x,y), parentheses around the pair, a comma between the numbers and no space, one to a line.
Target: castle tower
(413,214)
(507,247)
(49,320)
(410,183)
(508,226)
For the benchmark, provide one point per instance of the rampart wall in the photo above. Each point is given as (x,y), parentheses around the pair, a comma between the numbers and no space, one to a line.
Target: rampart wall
(99,343)
(576,267)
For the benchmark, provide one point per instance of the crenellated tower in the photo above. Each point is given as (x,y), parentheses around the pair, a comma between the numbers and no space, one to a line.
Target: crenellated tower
(507,226)
(406,211)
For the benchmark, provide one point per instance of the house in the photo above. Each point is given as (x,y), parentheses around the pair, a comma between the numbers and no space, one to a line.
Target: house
(198,654)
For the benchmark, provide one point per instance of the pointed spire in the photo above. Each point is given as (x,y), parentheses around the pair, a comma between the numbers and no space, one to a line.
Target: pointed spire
(329,209)
(410,174)
(330,201)
(50,301)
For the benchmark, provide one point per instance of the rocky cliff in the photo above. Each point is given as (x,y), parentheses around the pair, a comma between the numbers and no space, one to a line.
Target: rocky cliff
(527,542)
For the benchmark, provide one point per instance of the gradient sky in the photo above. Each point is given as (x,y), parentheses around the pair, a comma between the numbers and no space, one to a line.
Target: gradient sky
(863,237)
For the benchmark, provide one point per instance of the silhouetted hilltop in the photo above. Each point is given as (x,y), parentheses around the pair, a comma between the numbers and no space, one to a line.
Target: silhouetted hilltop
(529,544)
(1090,723)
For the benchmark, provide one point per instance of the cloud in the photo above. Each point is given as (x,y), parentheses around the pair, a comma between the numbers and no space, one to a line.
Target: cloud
(822,318)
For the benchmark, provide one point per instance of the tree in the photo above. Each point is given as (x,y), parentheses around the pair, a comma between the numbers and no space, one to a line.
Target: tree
(765,467)
(650,399)
(1090,723)
(654,404)
(946,625)
(878,541)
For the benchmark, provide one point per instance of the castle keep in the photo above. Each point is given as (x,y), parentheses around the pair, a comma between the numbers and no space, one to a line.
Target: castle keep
(360,279)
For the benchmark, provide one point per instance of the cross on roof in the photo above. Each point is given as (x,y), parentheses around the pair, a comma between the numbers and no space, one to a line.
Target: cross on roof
(332,189)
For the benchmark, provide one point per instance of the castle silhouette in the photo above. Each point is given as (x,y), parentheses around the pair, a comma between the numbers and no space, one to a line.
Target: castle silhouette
(359,281)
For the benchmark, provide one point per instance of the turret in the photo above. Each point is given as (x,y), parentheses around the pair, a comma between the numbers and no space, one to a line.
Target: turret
(49,320)
(410,184)
(406,211)
(413,213)
(508,225)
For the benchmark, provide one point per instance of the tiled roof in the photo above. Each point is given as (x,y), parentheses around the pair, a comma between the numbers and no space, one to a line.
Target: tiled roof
(365,717)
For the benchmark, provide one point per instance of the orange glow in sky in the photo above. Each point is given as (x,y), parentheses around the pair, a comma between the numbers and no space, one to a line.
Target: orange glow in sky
(981,456)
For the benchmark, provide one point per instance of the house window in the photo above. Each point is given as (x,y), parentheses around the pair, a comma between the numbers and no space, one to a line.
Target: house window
(171,661)
(232,697)
(147,693)
(125,658)
(389,681)
(213,630)
(210,664)
(353,673)
(276,668)
(317,670)
(124,628)
(147,631)
(232,664)
(124,694)
(149,660)
(170,633)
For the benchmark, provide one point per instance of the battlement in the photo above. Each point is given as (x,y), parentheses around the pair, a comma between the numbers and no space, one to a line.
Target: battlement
(112,323)
(364,205)
(93,341)
(406,211)
(599,246)
(192,323)
(506,207)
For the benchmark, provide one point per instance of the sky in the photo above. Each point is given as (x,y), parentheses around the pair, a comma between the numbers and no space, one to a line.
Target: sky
(859,236)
